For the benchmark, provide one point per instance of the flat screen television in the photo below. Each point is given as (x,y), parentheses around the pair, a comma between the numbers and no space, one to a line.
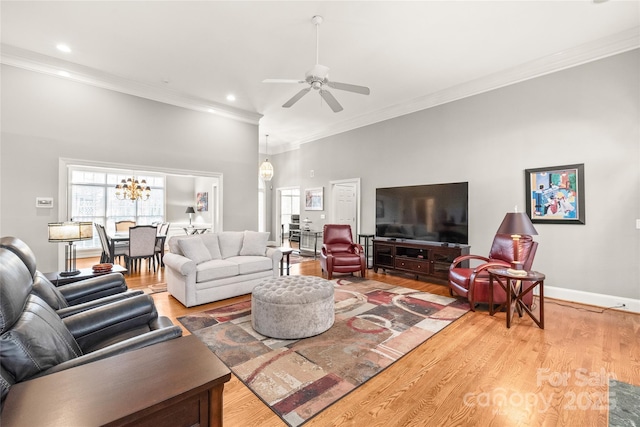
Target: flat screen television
(434,213)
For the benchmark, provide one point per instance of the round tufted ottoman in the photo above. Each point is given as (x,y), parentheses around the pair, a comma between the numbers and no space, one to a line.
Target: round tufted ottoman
(292,307)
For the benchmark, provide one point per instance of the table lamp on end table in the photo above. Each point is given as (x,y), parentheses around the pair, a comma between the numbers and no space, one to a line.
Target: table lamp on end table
(516,224)
(70,232)
(190,211)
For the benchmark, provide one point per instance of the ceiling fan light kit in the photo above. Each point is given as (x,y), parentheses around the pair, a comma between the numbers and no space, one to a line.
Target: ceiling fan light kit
(318,78)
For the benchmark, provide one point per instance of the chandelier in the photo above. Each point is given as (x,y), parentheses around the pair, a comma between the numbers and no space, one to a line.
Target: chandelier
(133,190)
(266,168)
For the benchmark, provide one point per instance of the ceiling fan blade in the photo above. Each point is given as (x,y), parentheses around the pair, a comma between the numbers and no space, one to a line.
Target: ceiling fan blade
(282,81)
(330,100)
(296,97)
(363,90)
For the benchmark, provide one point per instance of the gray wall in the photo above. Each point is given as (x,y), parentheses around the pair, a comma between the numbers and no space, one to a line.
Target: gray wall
(587,114)
(45,118)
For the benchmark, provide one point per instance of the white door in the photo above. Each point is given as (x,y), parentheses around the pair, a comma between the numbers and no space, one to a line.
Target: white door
(345,205)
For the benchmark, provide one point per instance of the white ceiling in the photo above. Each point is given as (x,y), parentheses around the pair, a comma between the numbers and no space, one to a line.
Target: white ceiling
(412,55)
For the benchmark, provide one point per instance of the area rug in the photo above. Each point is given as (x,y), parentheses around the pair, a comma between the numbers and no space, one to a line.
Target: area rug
(158,287)
(297,259)
(623,404)
(376,324)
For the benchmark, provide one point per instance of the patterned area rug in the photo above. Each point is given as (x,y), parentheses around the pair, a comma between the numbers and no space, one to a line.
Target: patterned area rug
(158,287)
(376,324)
(297,259)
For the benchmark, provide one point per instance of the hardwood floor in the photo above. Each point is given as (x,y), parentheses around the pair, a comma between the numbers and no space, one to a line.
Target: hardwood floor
(476,372)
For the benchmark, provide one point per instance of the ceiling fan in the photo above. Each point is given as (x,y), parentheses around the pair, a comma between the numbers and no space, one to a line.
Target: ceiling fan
(318,78)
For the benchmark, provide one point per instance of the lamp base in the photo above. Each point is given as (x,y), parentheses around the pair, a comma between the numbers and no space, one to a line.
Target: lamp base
(69,273)
(514,272)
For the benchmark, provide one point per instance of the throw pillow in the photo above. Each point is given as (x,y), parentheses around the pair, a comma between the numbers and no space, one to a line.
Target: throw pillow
(230,243)
(194,249)
(211,242)
(254,243)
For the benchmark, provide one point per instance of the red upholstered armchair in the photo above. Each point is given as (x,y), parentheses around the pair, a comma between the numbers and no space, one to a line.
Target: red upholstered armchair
(473,283)
(339,253)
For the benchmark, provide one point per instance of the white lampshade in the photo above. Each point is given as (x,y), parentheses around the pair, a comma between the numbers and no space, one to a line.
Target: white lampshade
(70,231)
(266,170)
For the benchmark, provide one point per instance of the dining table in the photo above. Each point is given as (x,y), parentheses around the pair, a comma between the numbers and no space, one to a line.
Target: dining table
(123,236)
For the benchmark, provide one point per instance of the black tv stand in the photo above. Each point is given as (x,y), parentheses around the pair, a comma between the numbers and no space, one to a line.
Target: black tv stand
(427,259)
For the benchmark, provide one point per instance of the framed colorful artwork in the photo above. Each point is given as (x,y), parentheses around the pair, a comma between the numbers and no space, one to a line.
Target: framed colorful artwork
(313,199)
(555,195)
(202,202)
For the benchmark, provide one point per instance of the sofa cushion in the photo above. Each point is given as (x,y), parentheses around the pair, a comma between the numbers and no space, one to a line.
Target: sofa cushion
(251,264)
(230,243)
(215,269)
(254,243)
(211,242)
(195,250)
(174,246)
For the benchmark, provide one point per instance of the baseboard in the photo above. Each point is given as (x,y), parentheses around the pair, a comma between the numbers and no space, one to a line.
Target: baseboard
(598,300)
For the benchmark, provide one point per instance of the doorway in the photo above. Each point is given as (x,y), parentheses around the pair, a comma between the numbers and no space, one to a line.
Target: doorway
(345,203)
(287,208)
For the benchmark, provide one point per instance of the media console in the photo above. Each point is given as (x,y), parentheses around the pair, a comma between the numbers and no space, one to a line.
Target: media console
(428,259)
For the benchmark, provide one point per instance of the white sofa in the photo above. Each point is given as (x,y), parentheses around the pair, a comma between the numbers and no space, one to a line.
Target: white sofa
(208,267)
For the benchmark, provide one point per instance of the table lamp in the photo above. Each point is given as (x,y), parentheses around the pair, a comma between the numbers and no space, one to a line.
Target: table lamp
(307,224)
(70,232)
(516,224)
(190,211)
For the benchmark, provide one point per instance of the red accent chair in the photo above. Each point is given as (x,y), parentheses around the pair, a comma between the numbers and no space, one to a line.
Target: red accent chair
(473,283)
(339,252)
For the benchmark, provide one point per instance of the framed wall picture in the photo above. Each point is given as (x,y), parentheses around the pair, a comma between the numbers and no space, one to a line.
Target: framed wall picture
(313,199)
(555,195)
(202,202)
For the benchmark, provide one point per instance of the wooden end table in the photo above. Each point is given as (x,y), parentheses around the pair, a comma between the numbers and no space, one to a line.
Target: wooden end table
(286,253)
(176,382)
(512,285)
(85,273)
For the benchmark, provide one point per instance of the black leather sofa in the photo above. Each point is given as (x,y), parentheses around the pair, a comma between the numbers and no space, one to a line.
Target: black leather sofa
(36,341)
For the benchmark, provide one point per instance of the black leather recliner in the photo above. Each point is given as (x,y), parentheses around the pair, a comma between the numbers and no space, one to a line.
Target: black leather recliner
(74,297)
(35,341)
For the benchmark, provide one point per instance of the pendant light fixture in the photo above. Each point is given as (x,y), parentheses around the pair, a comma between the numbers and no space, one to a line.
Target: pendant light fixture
(266,168)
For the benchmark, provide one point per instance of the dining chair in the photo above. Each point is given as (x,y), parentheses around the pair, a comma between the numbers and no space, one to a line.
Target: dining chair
(124,225)
(142,245)
(120,249)
(163,230)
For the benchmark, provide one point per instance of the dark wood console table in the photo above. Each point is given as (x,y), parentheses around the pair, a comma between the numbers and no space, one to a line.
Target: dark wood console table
(429,259)
(177,382)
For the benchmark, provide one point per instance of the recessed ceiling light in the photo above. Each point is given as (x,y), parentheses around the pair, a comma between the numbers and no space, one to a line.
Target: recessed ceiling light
(64,48)
(231,97)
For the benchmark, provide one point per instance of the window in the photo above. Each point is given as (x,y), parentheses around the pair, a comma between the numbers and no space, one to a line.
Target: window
(92,198)
(289,205)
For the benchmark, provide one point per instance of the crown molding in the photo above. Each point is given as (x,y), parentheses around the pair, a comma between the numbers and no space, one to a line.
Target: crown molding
(588,52)
(32,61)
